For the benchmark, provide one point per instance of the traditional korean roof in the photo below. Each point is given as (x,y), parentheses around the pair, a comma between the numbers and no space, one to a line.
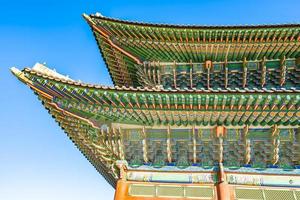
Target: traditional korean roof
(90,114)
(126,46)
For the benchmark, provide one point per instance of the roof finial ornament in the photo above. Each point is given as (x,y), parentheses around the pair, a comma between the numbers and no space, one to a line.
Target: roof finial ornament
(98,14)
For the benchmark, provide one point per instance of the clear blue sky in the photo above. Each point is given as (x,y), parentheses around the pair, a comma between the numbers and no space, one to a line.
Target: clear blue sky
(37,160)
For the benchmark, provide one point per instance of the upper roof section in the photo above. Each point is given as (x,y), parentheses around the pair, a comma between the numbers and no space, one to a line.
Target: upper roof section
(127,45)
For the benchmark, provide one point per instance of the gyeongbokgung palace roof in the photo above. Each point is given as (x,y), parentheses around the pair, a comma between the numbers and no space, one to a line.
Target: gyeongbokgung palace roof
(170,78)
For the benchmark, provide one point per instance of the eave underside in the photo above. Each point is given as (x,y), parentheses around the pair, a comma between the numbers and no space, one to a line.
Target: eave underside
(167,107)
(77,129)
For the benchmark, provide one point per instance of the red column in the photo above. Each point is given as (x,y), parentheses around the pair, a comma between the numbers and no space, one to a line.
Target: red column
(222,187)
(121,190)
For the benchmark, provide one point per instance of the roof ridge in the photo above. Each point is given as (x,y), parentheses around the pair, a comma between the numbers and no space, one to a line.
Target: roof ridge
(170,25)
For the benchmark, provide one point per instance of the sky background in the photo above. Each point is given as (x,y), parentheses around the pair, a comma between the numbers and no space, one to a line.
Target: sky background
(37,160)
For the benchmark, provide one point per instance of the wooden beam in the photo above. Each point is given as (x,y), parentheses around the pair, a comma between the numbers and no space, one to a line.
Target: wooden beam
(191,73)
(247,145)
(221,149)
(194,145)
(174,74)
(263,72)
(282,71)
(191,102)
(276,143)
(208,66)
(158,76)
(226,74)
(169,152)
(220,133)
(115,142)
(245,72)
(145,152)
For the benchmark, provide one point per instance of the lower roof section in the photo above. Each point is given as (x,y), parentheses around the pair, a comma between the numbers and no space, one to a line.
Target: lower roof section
(175,128)
(154,106)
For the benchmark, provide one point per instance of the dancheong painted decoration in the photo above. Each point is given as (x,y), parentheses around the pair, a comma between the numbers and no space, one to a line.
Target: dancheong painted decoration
(196,112)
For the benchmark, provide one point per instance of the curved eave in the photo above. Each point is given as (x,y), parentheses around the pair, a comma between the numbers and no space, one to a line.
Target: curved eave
(46,101)
(85,151)
(101,52)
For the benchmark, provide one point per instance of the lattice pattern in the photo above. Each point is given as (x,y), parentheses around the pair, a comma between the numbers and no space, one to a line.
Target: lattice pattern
(297,194)
(279,194)
(249,194)
(170,191)
(142,190)
(265,194)
(176,191)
